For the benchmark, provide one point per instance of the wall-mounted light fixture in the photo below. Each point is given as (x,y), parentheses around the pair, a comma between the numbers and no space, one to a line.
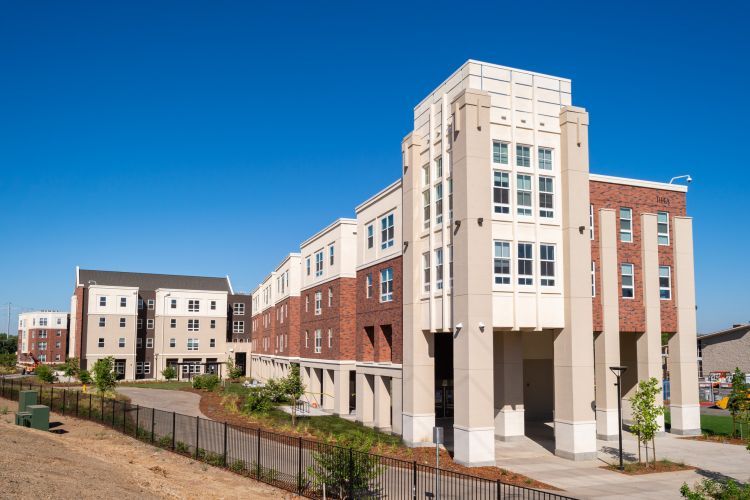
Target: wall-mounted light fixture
(480,220)
(581,229)
(481,326)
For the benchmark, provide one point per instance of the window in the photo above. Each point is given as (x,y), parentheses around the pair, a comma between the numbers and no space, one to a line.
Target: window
(102,321)
(121,342)
(146,367)
(370,236)
(502,263)
(318,302)
(173,303)
(42,346)
(43,334)
(318,339)
(662,227)
(426,175)
(212,324)
(57,357)
(368,285)
(102,301)
(172,343)
(500,152)
(42,321)
(42,358)
(140,324)
(628,285)
(330,296)
(193,325)
(547,264)
(501,192)
(211,342)
(665,282)
(307,265)
(593,279)
(386,232)
(239,309)
(525,264)
(330,338)
(149,343)
(523,194)
(439,204)
(546,197)
(450,199)
(194,305)
(139,368)
(57,344)
(591,222)
(59,321)
(59,333)
(523,156)
(307,303)
(331,257)
(238,327)
(151,304)
(439,269)
(150,324)
(172,323)
(426,272)
(426,209)
(101,342)
(545,159)
(319,264)
(192,344)
(140,303)
(122,322)
(450,266)
(123,302)
(306,340)
(213,305)
(386,285)
(626,225)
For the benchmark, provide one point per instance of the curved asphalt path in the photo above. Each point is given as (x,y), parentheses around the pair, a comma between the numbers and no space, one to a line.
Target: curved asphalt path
(186,403)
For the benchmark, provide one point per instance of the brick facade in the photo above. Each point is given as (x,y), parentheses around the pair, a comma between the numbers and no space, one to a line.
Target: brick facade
(245,318)
(288,326)
(340,317)
(56,339)
(379,324)
(641,200)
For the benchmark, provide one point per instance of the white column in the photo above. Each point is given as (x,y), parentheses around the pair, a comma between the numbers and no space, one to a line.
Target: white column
(509,409)
(315,386)
(329,392)
(396,399)
(341,392)
(365,396)
(382,403)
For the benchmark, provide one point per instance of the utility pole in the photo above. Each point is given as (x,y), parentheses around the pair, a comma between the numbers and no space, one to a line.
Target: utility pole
(7,332)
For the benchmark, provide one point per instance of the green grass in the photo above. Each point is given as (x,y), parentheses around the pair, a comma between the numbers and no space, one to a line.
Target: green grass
(172,385)
(710,424)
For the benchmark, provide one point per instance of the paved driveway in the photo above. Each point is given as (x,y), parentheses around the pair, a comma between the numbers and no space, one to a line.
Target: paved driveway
(186,403)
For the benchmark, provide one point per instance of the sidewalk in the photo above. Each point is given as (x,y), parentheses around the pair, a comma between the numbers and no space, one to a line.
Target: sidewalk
(535,458)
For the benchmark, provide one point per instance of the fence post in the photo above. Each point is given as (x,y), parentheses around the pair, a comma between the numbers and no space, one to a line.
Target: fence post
(225,443)
(90,396)
(137,419)
(197,434)
(124,416)
(299,466)
(351,473)
(101,399)
(414,481)
(51,398)
(174,421)
(78,396)
(258,461)
(153,422)
(114,404)
(65,394)
(499,485)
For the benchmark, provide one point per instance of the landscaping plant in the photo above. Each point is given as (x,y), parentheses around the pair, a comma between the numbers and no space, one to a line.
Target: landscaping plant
(710,489)
(233,371)
(646,415)
(169,373)
(738,403)
(294,387)
(344,473)
(71,368)
(208,382)
(103,373)
(45,374)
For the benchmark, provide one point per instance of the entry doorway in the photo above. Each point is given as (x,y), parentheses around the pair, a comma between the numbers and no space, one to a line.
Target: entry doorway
(443,345)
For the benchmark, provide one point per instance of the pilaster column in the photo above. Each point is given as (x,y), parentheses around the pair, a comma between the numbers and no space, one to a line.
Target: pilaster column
(396,405)
(365,395)
(575,422)
(341,391)
(382,403)
(328,390)
(683,350)
(509,410)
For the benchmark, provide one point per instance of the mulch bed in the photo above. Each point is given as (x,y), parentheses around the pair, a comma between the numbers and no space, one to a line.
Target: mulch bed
(715,438)
(210,405)
(637,469)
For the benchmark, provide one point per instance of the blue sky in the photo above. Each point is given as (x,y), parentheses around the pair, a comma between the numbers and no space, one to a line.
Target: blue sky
(212,137)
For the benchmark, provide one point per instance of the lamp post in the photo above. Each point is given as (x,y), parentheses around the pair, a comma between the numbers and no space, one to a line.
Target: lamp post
(618,371)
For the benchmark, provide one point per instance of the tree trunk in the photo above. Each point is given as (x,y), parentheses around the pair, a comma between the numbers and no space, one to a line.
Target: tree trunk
(653,449)
(645,445)
(639,448)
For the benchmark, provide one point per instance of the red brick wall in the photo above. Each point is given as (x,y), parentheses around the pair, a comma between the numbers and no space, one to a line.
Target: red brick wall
(51,351)
(231,317)
(266,325)
(373,316)
(290,327)
(341,317)
(641,200)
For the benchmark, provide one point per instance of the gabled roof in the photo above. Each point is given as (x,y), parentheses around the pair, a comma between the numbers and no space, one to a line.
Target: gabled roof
(734,329)
(147,281)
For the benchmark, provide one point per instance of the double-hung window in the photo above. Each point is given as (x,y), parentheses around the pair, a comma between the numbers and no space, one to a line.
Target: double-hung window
(439,204)
(123,302)
(593,279)
(172,342)
(238,327)
(193,325)
(149,324)
(173,303)
(121,342)
(547,264)
(368,285)
(386,285)
(173,323)
(100,343)
(591,222)
(426,272)
(102,321)
(439,269)
(545,159)
(523,194)
(330,338)
(102,301)
(662,227)
(330,296)
(626,224)
(122,322)
(546,197)
(331,254)
(151,304)
(525,264)
(500,152)
(307,265)
(149,343)
(318,340)
(502,263)
(318,303)
(370,236)
(439,167)
(386,232)
(450,199)
(665,282)
(194,305)
(501,192)
(192,344)
(319,264)
(426,208)
(523,156)
(628,283)
(239,309)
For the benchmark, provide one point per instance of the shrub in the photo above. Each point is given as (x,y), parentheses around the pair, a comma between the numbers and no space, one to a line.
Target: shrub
(710,489)
(169,373)
(71,368)
(45,374)
(85,377)
(233,371)
(258,400)
(276,391)
(8,360)
(343,472)
(208,382)
(237,466)
(181,447)
(104,375)
(165,441)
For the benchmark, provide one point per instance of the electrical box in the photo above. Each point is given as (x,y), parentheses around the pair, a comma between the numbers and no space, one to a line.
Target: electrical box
(26,398)
(39,417)
(23,418)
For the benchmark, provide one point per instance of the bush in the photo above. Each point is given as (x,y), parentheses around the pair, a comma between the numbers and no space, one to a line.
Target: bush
(169,373)
(104,375)
(8,360)
(276,391)
(343,472)
(45,374)
(208,382)
(71,368)
(717,490)
(85,377)
(181,447)
(237,466)
(258,400)
(233,371)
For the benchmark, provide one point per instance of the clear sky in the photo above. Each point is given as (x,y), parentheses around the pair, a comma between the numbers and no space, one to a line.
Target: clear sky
(211,138)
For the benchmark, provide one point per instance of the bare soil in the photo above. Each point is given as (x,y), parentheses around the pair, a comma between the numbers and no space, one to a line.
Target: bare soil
(718,438)
(636,469)
(82,460)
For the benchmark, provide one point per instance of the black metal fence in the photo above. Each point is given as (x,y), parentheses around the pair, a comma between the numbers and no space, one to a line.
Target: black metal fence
(308,468)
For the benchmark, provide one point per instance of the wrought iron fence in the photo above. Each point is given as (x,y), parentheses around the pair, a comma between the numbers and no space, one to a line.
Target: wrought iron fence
(309,468)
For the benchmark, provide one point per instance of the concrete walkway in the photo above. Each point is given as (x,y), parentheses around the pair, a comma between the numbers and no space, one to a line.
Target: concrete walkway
(186,403)
(535,459)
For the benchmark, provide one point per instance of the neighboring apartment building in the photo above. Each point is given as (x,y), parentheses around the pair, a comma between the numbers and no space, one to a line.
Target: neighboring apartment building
(43,335)
(725,350)
(147,322)
(497,281)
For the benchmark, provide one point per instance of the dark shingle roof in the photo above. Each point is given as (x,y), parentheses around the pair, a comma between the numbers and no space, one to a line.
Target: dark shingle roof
(734,329)
(146,281)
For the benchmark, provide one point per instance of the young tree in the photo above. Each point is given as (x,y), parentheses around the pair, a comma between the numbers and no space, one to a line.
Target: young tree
(84,376)
(233,371)
(45,374)
(294,388)
(738,402)
(72,367)
(646,414)
(169,373)
(104,375)
(345,474)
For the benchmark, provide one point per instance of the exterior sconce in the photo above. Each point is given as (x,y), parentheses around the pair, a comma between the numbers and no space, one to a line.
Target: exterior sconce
(459,326)
(581,229)
(480,220)
(481,326)
(406,245)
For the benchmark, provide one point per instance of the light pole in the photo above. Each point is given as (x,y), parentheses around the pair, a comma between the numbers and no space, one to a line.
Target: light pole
(618,371)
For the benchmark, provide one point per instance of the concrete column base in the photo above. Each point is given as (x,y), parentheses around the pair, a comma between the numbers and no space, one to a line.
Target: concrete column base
(509,424)
(606,424)
(417,429)
(575,440)
(474,447)
(686,420)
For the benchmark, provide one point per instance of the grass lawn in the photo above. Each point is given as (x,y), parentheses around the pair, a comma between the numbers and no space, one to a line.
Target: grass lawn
(710,424)
(172,385)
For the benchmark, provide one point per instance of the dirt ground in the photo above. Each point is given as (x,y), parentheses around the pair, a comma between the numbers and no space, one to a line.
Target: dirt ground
(80,459)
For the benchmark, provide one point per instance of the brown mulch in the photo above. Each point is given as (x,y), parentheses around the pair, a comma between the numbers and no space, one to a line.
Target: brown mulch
(210,406)
(637,469)
(715,438)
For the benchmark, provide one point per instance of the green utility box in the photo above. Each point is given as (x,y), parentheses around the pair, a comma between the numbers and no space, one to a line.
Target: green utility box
(26,398)
(39,417)
(23,418)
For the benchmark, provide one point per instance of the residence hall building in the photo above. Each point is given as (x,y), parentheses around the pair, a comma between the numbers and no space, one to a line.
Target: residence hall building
(496,282)
(43,335)
(725,350)
(149,321)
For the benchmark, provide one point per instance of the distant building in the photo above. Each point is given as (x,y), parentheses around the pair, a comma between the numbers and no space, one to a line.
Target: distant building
(724,350)
(43,335)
